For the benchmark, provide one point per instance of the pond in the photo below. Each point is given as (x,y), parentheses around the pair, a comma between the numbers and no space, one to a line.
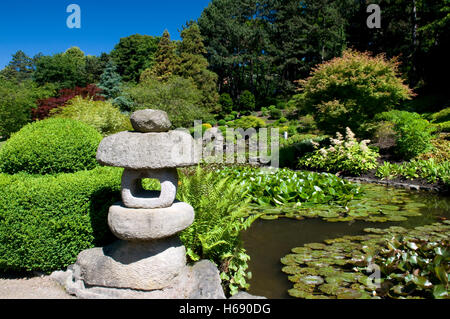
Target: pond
(266,241)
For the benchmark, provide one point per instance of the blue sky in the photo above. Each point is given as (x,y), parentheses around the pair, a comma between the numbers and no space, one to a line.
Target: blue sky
(35,26)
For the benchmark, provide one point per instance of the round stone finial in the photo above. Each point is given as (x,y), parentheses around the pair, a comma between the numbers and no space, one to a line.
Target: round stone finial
(150,121)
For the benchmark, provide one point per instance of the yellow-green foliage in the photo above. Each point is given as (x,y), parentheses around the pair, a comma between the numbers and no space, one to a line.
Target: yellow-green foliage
(350,90)
(441,116)
(101,115)
(247,122)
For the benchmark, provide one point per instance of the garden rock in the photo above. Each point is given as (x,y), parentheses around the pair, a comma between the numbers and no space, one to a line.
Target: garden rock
(149,224)
(147,121)
(134,150)
(148,260)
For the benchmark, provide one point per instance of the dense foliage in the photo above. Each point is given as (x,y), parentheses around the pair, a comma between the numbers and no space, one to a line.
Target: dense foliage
(49,147)
(44,106)
(345,155)
(177,96)
(351,90)
(413,133)
(45,221)
(220,215)
(429,170)
(134,54)
(284,187)
(17,101)
(101,115)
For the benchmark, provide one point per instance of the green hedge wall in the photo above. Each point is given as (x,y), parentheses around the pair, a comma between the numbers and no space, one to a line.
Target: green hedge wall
(45,221)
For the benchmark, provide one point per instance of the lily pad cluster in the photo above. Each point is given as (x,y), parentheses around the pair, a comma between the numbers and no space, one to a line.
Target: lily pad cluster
(378,204)
(343,268)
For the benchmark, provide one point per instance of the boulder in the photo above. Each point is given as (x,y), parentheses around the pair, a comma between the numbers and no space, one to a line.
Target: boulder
(148,120)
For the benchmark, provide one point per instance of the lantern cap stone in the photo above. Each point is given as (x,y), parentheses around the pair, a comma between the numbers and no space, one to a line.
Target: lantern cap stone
(148,120)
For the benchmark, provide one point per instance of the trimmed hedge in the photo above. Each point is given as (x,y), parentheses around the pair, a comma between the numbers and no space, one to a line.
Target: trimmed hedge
(49,147)
(46,221)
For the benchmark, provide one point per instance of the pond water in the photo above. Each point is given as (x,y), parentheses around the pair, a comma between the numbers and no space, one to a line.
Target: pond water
(266,241)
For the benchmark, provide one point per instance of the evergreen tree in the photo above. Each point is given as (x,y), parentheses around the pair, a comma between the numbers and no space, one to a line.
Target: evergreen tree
(133,55)
(20,68)
(194,65)
(110,81)
(166,59)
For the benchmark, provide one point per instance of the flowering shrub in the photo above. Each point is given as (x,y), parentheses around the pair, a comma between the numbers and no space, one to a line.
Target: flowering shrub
(343,155)
(45,106)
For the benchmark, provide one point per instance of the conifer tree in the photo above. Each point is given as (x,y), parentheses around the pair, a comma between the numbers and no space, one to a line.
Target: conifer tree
(110,81)
(194,65)
(166,59)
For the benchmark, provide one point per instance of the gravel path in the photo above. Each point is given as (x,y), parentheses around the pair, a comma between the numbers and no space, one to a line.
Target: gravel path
(13,287)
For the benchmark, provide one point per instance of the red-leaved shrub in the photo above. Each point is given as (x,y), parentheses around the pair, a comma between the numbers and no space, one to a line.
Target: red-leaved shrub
(44,106)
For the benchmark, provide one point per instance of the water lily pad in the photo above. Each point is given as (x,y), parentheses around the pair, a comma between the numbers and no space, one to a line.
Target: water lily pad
(347,293)
(298,293)
(316,246)
(328,214)
(291,270)
(269,217)
(329,289)
(312,280)
(394,218)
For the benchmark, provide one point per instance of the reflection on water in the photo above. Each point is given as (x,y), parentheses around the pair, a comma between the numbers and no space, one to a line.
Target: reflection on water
(267,241)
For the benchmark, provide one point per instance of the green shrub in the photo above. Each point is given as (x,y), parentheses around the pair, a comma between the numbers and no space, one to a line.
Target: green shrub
(429,169)
(179,97)
(344,155)
(16,102)
(274,112)
(297,146)
(282,120)
(264,111)
(351,90)
(247,101)
(229,118)
(441,116)
(45,221)
(247,122)
(307,123)
(222,122)
(413,133)
(443,127)
(102,116)
(226,102)
(49,147)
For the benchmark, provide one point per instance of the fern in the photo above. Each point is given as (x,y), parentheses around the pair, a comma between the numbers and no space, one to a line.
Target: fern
(221,209)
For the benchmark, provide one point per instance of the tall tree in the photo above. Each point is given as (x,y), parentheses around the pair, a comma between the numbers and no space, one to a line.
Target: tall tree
(134,54)
(20,68)
(166,63)
(194,65)
(66,70)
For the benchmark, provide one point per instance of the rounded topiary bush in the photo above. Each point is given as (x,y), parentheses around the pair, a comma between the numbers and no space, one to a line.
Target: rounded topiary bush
(49,147)
(46,221)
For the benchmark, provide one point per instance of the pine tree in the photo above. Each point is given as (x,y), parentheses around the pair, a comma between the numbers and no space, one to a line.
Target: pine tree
(194,65)
(110,81)
(166,60)
(20,68)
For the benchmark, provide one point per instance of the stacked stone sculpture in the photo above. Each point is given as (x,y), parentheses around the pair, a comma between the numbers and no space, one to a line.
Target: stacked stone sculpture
(148,260)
